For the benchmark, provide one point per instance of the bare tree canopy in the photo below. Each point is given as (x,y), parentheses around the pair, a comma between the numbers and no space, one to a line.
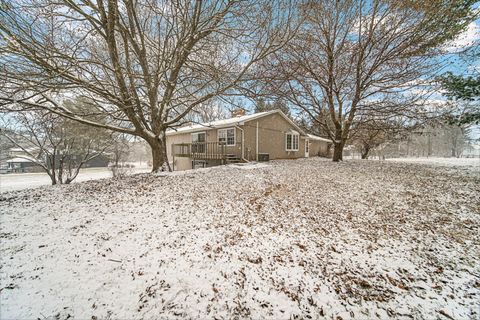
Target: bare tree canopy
(61,147)
(372,133)
(144,64)
(357,57)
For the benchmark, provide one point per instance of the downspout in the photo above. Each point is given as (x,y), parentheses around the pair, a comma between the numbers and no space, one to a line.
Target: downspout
(256,143)
(173,157)
(243,144)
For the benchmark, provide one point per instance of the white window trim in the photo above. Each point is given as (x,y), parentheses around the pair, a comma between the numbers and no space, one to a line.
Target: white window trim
(226,136)
(204,144)
(298,141)
(196,133)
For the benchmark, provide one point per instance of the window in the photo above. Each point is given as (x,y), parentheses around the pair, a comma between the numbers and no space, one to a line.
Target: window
(227,136)
(291,141)
(198,142)
(198,137)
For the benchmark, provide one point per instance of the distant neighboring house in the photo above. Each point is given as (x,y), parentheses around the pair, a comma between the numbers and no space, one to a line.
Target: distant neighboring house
(18,161)
(15,152)
(258,137)
(22,164)
(99,161)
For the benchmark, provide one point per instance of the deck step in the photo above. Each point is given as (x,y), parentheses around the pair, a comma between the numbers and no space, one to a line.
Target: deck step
(232,158)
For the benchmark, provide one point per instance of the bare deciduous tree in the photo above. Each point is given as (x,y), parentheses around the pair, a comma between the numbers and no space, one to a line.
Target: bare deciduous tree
(207,112)
(355,56)
(373,132)
(119,151)
(61,147)
(144,64)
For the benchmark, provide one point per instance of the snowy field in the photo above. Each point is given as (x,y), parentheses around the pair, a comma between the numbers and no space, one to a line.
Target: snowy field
(19,181)
(295,239)
(473,163)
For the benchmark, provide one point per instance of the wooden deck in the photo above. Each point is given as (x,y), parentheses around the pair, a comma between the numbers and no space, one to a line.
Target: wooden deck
(205,150)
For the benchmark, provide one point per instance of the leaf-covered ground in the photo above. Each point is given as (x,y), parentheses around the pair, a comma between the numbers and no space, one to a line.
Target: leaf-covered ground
(296,239)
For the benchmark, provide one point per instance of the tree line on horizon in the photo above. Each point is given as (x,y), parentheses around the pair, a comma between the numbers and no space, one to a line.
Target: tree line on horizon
(349,68)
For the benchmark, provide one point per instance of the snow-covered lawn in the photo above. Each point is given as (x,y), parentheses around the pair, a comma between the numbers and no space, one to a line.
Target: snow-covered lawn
(473,163)
(295,239)
(19,181)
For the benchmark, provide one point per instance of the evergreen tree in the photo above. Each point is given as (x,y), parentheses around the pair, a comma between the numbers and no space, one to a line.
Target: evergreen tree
(466,89)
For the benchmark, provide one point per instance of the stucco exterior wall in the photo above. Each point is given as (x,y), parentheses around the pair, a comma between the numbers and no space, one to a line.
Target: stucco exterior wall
(318,148)
(271,138)
(178,163)
(237,149)
(272,130)
(211,135)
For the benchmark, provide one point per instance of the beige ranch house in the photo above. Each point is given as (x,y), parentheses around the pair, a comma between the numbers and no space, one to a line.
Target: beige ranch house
(258,137)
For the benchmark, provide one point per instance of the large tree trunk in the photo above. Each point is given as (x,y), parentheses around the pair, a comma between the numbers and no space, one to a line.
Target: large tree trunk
(338,152)
(159,154)
(51,171)
(338,145)
(52,177)
(365,151)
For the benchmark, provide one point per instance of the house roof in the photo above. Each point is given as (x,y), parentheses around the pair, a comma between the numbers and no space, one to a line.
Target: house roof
(21,150)
(18,160)
(230,122)
(313,137)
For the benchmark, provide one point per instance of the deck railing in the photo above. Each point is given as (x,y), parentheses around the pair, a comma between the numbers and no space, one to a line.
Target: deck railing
(205,150)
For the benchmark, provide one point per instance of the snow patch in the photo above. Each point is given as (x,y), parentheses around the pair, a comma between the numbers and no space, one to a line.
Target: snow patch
(291,239)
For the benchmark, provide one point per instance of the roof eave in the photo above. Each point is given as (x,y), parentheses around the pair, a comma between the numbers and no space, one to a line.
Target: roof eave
(239,123)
